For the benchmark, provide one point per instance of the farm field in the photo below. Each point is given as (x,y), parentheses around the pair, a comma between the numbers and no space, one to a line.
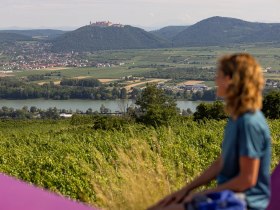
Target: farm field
(105,73)
(140,62)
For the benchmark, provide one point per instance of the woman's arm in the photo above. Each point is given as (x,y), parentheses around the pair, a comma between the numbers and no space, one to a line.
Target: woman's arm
(247,177)
(208,175)
(178,196)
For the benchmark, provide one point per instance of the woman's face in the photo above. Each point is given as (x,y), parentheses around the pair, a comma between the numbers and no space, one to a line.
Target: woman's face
(222,83)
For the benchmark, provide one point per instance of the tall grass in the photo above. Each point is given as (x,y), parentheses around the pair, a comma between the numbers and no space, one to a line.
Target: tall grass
(128,168)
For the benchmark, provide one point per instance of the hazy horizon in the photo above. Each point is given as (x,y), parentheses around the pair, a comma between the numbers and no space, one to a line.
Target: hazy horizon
(152,14)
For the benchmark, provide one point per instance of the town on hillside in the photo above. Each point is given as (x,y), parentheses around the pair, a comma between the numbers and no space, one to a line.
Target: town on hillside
(37,55)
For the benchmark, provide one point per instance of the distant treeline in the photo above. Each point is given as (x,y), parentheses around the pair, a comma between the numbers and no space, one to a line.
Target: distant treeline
(16,89)
(206,95)
(149,66)
(25,113)
(157,111)
(12,37)
(271,108)
(38,77)
(51,113)
(83,89)
(81,82)
(88,89)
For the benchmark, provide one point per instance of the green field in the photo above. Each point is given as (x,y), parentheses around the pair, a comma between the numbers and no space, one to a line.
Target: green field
(110,73)
(272,76)
(139,62)
(209,83)
(127,168)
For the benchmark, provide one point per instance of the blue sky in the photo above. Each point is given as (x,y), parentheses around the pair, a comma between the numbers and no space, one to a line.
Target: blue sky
(143,13)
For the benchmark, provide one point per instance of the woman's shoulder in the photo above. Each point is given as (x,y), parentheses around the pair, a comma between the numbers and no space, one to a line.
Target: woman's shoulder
(253,120)
(252,117)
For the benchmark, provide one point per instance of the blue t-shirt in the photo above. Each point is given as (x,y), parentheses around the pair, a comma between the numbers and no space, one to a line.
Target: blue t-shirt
(248,136)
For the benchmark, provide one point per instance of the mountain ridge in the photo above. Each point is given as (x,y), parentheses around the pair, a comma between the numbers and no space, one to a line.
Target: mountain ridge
(90,38)
(223,30)
(168,32)
(213,31)
(44,33)
(13,37)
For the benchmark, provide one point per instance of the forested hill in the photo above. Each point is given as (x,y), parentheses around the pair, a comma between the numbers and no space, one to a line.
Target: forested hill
(213,31)
(12,37)
(90,38)
(222,31)
(43,33)
(169,32)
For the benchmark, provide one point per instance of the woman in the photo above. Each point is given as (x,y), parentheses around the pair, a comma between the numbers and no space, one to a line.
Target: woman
(243,166)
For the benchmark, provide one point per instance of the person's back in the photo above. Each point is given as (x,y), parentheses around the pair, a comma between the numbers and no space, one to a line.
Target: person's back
(248,136)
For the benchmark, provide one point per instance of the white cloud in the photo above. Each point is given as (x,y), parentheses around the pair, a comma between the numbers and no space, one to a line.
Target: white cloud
(152,14)
(135,12)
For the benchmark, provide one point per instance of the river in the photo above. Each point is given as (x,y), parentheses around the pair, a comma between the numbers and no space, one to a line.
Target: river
(83,105)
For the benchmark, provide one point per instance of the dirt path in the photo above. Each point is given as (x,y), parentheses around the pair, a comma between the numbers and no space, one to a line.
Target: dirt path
(55,82)
(107,80)
(56,68)
(191,82)
(6,75)
(101,80)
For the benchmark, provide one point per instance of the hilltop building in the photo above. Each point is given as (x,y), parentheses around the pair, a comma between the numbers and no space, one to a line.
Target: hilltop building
(106,24)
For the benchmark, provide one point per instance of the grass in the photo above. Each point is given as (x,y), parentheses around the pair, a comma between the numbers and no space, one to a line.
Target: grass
(272,76)
(128,168)
(209,83)
(108,73)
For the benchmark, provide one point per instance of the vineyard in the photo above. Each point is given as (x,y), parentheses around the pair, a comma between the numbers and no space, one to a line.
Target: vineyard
(126,168)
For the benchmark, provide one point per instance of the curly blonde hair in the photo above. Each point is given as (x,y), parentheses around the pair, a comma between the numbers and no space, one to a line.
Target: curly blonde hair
(244,93)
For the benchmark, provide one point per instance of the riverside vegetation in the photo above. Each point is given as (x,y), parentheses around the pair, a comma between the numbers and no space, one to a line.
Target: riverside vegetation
(119,162)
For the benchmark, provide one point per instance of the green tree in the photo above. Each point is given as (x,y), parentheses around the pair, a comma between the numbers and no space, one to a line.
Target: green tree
(50,113)
(202,111)
(123,94)
(104,110)
(5,108)
(271,105)
(33,109)
(134,93)
(210,111)
(89,111)
(187,112)
(155,108)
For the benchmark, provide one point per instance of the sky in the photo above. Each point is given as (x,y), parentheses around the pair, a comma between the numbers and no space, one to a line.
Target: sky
(148,14)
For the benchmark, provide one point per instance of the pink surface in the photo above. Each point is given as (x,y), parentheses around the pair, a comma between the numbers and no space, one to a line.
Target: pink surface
(275,190)
(17,195)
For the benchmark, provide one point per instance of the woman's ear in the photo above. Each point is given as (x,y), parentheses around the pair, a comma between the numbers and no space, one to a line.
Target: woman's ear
(227,79)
